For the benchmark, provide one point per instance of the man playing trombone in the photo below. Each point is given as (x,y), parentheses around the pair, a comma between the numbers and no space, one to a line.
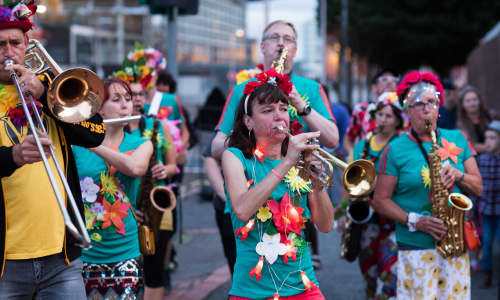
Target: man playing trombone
(38,259)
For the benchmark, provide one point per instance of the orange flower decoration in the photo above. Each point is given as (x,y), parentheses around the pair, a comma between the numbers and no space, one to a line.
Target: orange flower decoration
(114,215)
(449,150)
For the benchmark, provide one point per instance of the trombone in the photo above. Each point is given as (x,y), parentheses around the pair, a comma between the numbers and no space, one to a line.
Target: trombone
(73,96)
(358,178)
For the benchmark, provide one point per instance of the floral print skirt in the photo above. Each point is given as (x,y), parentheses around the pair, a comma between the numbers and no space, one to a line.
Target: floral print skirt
(116,281)
(424,274)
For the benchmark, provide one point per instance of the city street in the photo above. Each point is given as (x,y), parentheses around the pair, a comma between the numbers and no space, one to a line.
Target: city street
(202,271)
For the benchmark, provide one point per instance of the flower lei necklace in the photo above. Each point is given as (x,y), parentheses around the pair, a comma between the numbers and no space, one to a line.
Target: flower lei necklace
(10,103)
(279,226)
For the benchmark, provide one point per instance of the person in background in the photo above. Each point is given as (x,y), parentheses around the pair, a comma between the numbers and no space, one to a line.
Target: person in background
(473,118)
(109,179)
(137,77)
(223,220)
(448,111)
(489,202)
(309,109)
(384,80)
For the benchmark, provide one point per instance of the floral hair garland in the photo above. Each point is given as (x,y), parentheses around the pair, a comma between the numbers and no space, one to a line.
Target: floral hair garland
(247,74)
(415,77)
(140,65)
(386,98)
(272,77)
(16,14)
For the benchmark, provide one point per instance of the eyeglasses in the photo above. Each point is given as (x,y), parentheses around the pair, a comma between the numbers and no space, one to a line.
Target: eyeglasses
(287,39)
(140,94)
(421,105)
(386,79)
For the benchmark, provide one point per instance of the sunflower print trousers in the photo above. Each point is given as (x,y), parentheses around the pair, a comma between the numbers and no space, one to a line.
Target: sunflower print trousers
(424,274)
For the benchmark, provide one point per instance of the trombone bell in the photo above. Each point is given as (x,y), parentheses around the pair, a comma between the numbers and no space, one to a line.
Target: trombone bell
(74,95)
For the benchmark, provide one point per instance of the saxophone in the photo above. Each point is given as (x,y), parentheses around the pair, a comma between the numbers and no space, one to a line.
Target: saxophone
(153,201)
(358,212)
(449,207)
(279,64)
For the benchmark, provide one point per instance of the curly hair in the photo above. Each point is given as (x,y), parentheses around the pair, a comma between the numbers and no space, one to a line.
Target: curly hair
(241,137)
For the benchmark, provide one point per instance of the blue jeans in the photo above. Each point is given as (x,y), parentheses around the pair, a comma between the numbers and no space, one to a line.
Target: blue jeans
(491,226)
(42,278)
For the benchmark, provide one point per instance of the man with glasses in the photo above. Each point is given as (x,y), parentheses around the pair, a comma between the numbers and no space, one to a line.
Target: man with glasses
(383,81)
(309,107)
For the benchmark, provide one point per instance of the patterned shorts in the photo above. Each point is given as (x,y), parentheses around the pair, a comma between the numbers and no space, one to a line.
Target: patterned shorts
(117,281)
(424,274)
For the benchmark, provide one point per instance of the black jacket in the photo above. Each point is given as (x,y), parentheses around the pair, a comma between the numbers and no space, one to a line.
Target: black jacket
(86,134)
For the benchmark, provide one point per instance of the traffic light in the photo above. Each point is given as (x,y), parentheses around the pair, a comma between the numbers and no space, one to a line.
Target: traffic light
(186,7)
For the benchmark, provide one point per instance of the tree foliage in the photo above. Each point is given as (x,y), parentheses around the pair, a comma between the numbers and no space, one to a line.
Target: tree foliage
(404,34)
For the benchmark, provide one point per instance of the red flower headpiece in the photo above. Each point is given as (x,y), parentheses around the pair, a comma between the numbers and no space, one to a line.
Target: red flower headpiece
(416,77)
(270,76)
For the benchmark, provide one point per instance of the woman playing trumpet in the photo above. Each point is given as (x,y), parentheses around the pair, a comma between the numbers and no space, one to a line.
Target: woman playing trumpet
(403,193)
(109,178)
(267,201)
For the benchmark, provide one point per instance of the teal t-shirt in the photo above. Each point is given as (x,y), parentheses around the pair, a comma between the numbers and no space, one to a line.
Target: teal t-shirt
(308,89)
(170,107)
(402,158)
(373,152)
(108,211)
(247,257)
(148,131)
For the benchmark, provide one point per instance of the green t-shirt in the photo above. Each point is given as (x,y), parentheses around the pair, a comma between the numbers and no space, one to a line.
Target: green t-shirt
(374,151)
(170,108)
(148,131)
(311,91)
(108,219)
(402,158)
(247,257)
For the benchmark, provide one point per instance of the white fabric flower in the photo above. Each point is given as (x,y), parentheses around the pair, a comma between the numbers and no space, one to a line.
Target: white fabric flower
(270,247)
(89,190)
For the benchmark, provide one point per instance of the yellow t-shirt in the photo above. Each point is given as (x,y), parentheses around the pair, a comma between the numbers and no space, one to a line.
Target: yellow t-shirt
(34,223)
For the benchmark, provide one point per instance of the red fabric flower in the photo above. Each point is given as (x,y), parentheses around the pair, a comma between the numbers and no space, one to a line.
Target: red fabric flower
(287,218)
(416,77)
(282,81)
(260,66)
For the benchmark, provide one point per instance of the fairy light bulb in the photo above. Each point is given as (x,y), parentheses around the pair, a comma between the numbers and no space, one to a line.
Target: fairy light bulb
(257,269)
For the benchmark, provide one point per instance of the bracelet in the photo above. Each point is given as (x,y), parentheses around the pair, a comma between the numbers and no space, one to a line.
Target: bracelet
(277,174)
(461,177)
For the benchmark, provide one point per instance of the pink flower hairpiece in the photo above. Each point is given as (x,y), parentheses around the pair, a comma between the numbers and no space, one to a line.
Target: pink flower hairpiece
(272,77)
(416,77)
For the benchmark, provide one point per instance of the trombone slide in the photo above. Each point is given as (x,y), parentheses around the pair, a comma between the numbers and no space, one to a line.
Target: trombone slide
(81,235)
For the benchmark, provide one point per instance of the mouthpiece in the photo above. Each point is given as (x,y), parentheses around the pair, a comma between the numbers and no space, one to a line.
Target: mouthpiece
(8,62)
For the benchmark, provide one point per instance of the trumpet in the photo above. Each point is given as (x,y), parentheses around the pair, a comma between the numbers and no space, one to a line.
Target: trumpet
(69,93)
(358,177)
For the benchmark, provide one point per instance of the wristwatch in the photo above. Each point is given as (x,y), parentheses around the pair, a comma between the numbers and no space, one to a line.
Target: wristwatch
(307,110)
(412,221)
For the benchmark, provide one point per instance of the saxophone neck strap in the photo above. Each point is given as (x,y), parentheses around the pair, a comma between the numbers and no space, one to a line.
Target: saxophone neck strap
(419,143)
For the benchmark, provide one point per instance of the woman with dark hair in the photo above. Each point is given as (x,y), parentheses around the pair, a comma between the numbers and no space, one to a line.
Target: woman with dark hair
(473,117)
(378,250)
(109,179)
(417,170)
(266,198)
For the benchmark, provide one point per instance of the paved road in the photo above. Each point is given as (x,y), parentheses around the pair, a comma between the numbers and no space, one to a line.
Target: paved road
(203,273)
